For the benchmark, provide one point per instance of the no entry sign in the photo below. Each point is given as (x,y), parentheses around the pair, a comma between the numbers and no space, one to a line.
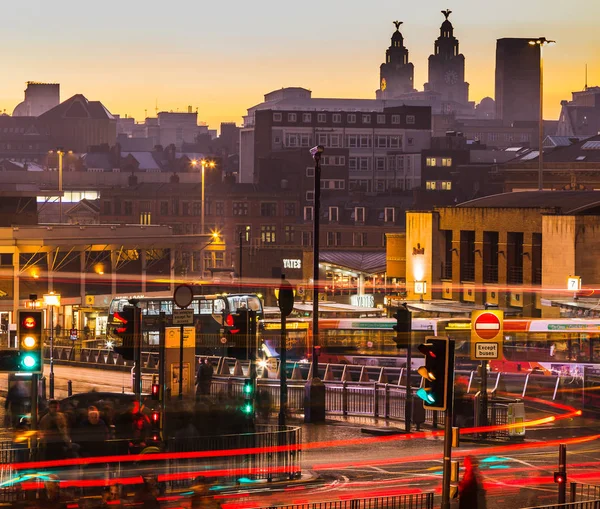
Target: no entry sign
(486,334)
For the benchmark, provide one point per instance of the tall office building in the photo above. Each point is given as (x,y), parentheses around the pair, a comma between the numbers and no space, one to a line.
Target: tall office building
(517,80)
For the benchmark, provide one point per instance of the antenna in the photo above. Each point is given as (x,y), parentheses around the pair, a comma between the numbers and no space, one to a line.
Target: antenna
(156,106)
(586,86)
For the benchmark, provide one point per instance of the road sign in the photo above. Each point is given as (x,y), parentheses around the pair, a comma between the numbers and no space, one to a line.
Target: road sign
(173,337)
(574,283)
(486,334)
(183,296)
(183,317)
(224,340)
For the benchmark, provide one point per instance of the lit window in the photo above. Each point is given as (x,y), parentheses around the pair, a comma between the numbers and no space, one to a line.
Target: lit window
(446,161)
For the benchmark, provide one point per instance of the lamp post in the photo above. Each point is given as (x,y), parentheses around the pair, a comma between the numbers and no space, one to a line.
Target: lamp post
(285,299)
(541,42)
(51,300)
(203,163)
(316,153)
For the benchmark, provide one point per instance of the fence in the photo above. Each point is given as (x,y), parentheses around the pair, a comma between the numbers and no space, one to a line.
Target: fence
(590,504)
(415,501)
(584,492)
(273,452)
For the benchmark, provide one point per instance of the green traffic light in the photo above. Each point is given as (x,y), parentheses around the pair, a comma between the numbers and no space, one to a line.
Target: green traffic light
(247,408)
(248,389)
(29,361)
(426,396)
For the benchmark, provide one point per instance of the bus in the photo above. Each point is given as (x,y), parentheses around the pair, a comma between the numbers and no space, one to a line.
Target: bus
(547,346)
(216,332)
(358,340)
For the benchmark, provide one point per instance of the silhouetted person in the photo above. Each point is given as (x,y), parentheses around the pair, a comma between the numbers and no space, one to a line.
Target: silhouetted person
(111,496)
(56,442)
(93,434)
(471,494)
(149,493)
(51,497)
(204,378)
(16,404)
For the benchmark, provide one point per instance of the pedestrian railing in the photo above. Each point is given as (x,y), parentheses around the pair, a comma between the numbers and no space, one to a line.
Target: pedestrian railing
(412,501)
(589,504)
(584,492)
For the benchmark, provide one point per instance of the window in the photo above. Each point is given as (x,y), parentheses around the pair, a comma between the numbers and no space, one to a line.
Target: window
(365,140)
(310,171)
(394,141)
(336,118)
(446,161)
(380,163)
(289,209)
(352,163)
(240,208)
(334,238)
(447,186)
(267,234)
(410,119)
(307,238)
(321,118)
(389,215)
(310,196)
(391,163)
(268,209)
(277,140)
(292,117)
(164,208)
(219,208)
(277,117)
(395,119)
(322,139)
(366,119)
(359,239)
(291,140)
(185,208)
(305,140)
(359,214)
(381,119)
(306,117)
(381,142)
(410,141)
(334,140)
(364,163)
(289,234)
(352,141)
(333,214)
(175,207)
(196,208)
(107,208)
(430,161)
(128,208)
(308,213)
(351,118)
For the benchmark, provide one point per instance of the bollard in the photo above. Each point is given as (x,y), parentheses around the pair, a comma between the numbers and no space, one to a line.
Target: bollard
(69,388)
(44,397)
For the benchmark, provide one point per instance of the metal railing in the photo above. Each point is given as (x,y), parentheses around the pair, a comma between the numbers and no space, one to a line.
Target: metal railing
(446,271)
(467,272)
(490,273)
(515,276)
(590,504)
(414,501)
(584,492)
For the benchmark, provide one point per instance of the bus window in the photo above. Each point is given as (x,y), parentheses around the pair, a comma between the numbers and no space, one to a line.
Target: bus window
(153,307)
(166,306)
(206,307)
(254,304)
(219,306)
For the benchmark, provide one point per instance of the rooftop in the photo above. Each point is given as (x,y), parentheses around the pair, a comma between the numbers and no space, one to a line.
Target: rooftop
(564,202)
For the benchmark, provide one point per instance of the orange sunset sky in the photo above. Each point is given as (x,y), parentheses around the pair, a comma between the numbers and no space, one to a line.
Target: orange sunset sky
(221,57)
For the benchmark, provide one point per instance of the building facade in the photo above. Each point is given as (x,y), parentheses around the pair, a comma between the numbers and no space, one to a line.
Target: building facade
(517,80)
(396,74)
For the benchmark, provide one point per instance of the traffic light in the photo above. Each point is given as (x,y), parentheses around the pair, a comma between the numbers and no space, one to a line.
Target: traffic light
(31,341)
(155,424)
(248,404)
(560,477)
(403,327)
(438,372)
(252,323)
(124,328)
(155,392)
(239,322)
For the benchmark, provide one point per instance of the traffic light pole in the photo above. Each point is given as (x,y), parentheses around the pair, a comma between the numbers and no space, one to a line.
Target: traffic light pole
(162,368)
(447,463)
(137,350)
(409,395)
(483,416)
(283,396)
(181,362)
(34,401)
(562,467)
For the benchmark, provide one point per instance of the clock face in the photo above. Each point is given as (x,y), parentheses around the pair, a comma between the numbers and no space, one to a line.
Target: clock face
(451,77)
(383,84)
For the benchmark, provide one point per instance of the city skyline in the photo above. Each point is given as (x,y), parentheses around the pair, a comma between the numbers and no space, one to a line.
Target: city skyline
(221,65)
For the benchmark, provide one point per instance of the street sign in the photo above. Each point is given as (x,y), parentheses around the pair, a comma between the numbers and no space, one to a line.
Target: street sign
(183,317)
(224,340)
(486,334)
(183,296)
(574,283)
(173,337)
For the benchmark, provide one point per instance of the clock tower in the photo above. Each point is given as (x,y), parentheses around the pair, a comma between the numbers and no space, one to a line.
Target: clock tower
(447,66)
(396,75)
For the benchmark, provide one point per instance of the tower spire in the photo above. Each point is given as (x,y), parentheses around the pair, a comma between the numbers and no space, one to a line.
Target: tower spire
(447,13)
(397,25)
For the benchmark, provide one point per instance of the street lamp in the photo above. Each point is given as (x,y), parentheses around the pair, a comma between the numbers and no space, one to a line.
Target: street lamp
(285,295)
(203,163)
(541,42)
(52,300)
(60,152)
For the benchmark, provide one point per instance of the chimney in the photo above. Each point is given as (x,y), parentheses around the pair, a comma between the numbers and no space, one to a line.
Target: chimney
(190,109)
(132,180)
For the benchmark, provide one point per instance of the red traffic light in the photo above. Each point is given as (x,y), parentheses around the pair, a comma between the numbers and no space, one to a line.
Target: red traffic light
(560,477)
(155,391)
(29,322)
(155,416)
